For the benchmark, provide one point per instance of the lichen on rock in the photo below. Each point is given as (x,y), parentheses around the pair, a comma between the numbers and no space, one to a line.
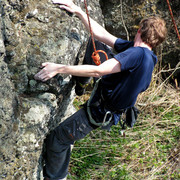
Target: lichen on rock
(33,32)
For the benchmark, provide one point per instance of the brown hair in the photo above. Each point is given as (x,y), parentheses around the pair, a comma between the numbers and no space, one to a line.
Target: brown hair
(153,31)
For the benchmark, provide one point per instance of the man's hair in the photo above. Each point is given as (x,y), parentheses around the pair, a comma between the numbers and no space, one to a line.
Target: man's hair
(153,31)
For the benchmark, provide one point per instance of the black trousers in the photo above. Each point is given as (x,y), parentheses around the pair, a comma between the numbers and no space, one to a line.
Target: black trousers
(58,142)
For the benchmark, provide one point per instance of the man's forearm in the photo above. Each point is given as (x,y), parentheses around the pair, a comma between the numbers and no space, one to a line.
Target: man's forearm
(80,70)
(51,69)
(96,28)
(99,32)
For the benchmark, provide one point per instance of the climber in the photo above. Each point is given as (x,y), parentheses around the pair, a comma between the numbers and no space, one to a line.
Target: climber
(123,77)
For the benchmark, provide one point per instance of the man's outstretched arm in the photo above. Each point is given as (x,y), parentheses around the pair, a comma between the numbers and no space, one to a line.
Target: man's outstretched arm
(51,69)
(100,33)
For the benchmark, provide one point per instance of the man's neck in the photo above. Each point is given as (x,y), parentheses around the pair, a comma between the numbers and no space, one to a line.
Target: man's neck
(142,44)
(138,41)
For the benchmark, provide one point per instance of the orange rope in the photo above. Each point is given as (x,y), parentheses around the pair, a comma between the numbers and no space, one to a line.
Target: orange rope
(170,10)
(95,56)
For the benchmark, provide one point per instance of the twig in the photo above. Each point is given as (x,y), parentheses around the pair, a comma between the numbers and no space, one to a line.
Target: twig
(123,21)
(160,87)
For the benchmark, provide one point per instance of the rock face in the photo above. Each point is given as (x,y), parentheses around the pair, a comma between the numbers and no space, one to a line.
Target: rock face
(32,32)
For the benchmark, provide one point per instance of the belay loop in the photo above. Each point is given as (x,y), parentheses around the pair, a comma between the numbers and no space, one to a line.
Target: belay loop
(95,56)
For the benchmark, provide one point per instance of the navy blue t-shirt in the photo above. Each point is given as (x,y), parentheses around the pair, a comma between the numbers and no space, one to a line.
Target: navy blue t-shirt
(137,64)
(120,90)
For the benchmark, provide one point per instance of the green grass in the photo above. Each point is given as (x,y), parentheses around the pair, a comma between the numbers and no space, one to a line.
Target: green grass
(145,152)
(150,150)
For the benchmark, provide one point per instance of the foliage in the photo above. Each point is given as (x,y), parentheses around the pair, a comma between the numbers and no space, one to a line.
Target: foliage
(150,150)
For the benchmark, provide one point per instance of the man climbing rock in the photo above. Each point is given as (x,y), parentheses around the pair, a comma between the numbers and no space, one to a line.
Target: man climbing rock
(120,79)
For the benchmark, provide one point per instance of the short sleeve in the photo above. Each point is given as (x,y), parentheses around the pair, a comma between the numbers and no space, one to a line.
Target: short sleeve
(121,45)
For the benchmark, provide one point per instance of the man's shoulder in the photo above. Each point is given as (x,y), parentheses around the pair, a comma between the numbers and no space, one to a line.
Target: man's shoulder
(122,45)
(134,52)
(138,50)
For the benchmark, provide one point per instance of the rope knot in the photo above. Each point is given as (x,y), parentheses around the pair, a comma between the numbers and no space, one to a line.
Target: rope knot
(96,58)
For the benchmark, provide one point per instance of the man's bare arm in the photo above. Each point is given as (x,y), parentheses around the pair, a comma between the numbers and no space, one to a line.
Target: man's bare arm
(100,33)
(51,69)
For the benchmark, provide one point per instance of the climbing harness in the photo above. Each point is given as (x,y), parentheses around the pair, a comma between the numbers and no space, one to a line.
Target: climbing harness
(108,116)
(127,117)
(172,17)
(95,56)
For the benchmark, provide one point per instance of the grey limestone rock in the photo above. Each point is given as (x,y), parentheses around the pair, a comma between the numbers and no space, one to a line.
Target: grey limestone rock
(32,32)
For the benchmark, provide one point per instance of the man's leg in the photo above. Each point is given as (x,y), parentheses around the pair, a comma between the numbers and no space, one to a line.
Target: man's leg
(58,144)
(81,81)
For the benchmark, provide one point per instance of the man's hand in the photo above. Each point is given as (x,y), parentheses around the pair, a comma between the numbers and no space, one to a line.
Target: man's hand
(49,70)
(67,5)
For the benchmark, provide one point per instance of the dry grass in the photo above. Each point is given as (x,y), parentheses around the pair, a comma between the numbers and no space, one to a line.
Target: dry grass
(150,150)
(160,105)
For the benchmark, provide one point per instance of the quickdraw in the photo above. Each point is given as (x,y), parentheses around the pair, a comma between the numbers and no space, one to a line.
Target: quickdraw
(95,56)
